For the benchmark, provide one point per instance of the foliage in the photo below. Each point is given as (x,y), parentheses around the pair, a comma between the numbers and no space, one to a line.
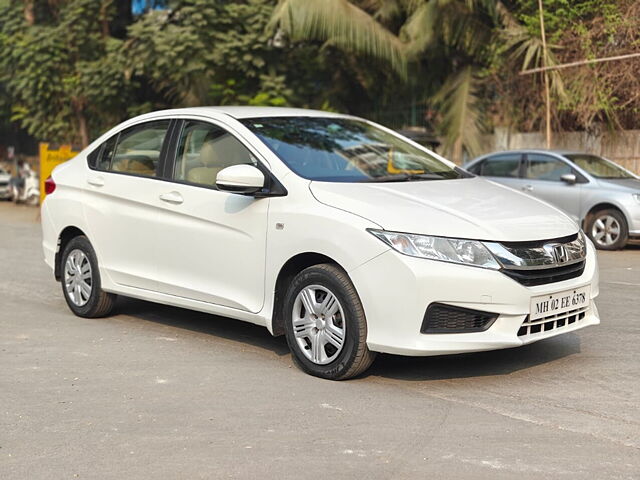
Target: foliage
(60,74)
(450,42)
(69,69)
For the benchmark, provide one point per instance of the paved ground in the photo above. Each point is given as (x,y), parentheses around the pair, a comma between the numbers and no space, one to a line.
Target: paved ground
(160,392)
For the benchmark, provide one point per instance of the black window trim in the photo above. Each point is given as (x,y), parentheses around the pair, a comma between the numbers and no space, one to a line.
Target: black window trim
(161,159)
(273,187)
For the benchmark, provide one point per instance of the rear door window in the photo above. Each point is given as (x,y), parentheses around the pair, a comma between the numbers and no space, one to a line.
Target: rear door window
(135,150)
(507,165)
(138,149)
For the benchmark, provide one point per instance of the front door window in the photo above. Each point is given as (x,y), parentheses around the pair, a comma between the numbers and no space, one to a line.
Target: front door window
(205,149)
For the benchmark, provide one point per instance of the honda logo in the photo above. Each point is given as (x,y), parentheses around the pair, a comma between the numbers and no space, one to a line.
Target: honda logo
(559,253)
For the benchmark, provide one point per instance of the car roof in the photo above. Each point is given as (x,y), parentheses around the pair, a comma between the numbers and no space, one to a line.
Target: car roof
(538,150)
(560,152)
(241,112)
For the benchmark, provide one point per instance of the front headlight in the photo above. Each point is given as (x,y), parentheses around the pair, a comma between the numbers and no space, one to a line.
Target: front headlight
(453,250)
(637,197)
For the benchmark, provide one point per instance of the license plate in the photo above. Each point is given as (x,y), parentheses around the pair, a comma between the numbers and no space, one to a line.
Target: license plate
(555,303)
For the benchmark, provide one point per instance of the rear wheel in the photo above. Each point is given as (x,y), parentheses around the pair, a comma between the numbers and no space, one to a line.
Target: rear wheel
(608,229)
(325,325)
(81,280)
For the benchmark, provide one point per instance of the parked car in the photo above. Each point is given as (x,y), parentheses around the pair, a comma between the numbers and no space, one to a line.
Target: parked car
(601,196)
(342,235)
(5,190)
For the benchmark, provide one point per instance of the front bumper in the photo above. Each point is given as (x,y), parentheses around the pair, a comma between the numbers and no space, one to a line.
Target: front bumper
(396,290)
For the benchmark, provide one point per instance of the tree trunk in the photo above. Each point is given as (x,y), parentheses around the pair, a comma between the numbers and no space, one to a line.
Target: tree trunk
(83,130)
(122,18)
(456,154)
(29,12)
(104,17)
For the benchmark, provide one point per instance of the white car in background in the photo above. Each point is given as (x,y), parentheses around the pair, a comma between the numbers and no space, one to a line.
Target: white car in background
(342,235)
(5,188)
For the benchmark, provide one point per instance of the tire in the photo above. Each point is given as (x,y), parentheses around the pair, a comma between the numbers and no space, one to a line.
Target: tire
(94,303)
(315,346)
(608,229)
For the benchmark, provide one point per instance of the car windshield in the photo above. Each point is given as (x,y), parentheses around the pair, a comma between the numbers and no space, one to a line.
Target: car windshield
(347,150)
(598,166)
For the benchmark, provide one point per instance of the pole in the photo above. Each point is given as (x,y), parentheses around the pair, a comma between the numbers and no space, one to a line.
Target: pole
(547,97)
(580,63)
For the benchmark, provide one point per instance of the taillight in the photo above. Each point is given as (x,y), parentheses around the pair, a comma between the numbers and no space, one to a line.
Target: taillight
(49,186)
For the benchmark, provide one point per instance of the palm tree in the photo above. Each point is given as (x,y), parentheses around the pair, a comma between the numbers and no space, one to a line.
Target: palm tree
(452,43)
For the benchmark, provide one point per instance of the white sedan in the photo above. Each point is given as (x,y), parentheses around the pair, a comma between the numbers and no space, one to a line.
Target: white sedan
(342,235)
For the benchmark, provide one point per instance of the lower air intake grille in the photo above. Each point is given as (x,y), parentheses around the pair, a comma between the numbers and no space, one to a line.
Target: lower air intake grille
(441,318)
(552,322)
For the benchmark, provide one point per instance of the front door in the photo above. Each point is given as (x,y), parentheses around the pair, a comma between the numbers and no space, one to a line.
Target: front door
(543,180)
(211,246)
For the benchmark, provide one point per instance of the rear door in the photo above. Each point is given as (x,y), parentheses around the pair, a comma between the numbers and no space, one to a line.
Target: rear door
(543,180)
(211,246)
(504,168)
(121,205)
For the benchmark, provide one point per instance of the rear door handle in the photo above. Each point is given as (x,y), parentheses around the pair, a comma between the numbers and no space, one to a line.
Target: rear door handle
(96,181)
(528,188)
(172,197)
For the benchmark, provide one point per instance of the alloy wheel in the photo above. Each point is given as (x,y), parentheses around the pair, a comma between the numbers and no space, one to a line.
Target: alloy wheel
(605,230)
(318,324)
(78,280)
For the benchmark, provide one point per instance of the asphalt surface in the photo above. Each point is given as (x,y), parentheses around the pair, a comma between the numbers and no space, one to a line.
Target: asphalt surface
(165,393)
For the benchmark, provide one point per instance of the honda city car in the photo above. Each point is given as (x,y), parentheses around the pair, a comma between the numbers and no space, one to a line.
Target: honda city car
(338,233)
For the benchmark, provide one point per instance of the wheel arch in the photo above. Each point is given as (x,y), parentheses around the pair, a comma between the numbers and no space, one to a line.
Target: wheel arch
(66,235)
(287,272)
(602,206)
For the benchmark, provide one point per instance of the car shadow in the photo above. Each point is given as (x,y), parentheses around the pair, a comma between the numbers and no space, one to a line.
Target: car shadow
(205,323)
(478,364)
(497,362)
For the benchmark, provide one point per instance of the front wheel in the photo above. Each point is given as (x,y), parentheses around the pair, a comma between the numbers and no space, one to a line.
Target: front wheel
(608,229)
(325,325)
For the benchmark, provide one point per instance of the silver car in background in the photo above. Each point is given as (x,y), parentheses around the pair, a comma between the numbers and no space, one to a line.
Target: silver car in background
(601,196)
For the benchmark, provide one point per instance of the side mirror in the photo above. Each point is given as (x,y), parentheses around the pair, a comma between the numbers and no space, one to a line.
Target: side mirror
(569,178)
(241,179)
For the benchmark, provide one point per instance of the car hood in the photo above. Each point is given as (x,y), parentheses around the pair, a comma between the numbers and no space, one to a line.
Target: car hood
(630,184)
(472,208)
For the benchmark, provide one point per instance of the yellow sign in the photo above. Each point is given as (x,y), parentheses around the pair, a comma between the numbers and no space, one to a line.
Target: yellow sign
(50,159)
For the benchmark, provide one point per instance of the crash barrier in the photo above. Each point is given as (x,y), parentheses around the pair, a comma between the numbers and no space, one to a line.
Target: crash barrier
(50,159)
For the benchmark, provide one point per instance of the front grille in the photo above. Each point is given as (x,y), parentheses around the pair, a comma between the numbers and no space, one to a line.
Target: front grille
(552,322)
(3,183)
(543,276)
(440,318)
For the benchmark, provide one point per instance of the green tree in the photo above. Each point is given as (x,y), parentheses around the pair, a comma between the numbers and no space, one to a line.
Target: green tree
(60,68)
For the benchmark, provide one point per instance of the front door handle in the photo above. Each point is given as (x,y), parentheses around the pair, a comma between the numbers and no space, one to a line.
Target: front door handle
(527,188)
(172,197)
(96,181)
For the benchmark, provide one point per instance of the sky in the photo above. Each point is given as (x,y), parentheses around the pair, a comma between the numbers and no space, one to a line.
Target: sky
(140,6)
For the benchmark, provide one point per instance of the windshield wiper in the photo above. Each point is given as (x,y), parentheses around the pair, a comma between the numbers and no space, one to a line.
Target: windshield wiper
(405,177)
